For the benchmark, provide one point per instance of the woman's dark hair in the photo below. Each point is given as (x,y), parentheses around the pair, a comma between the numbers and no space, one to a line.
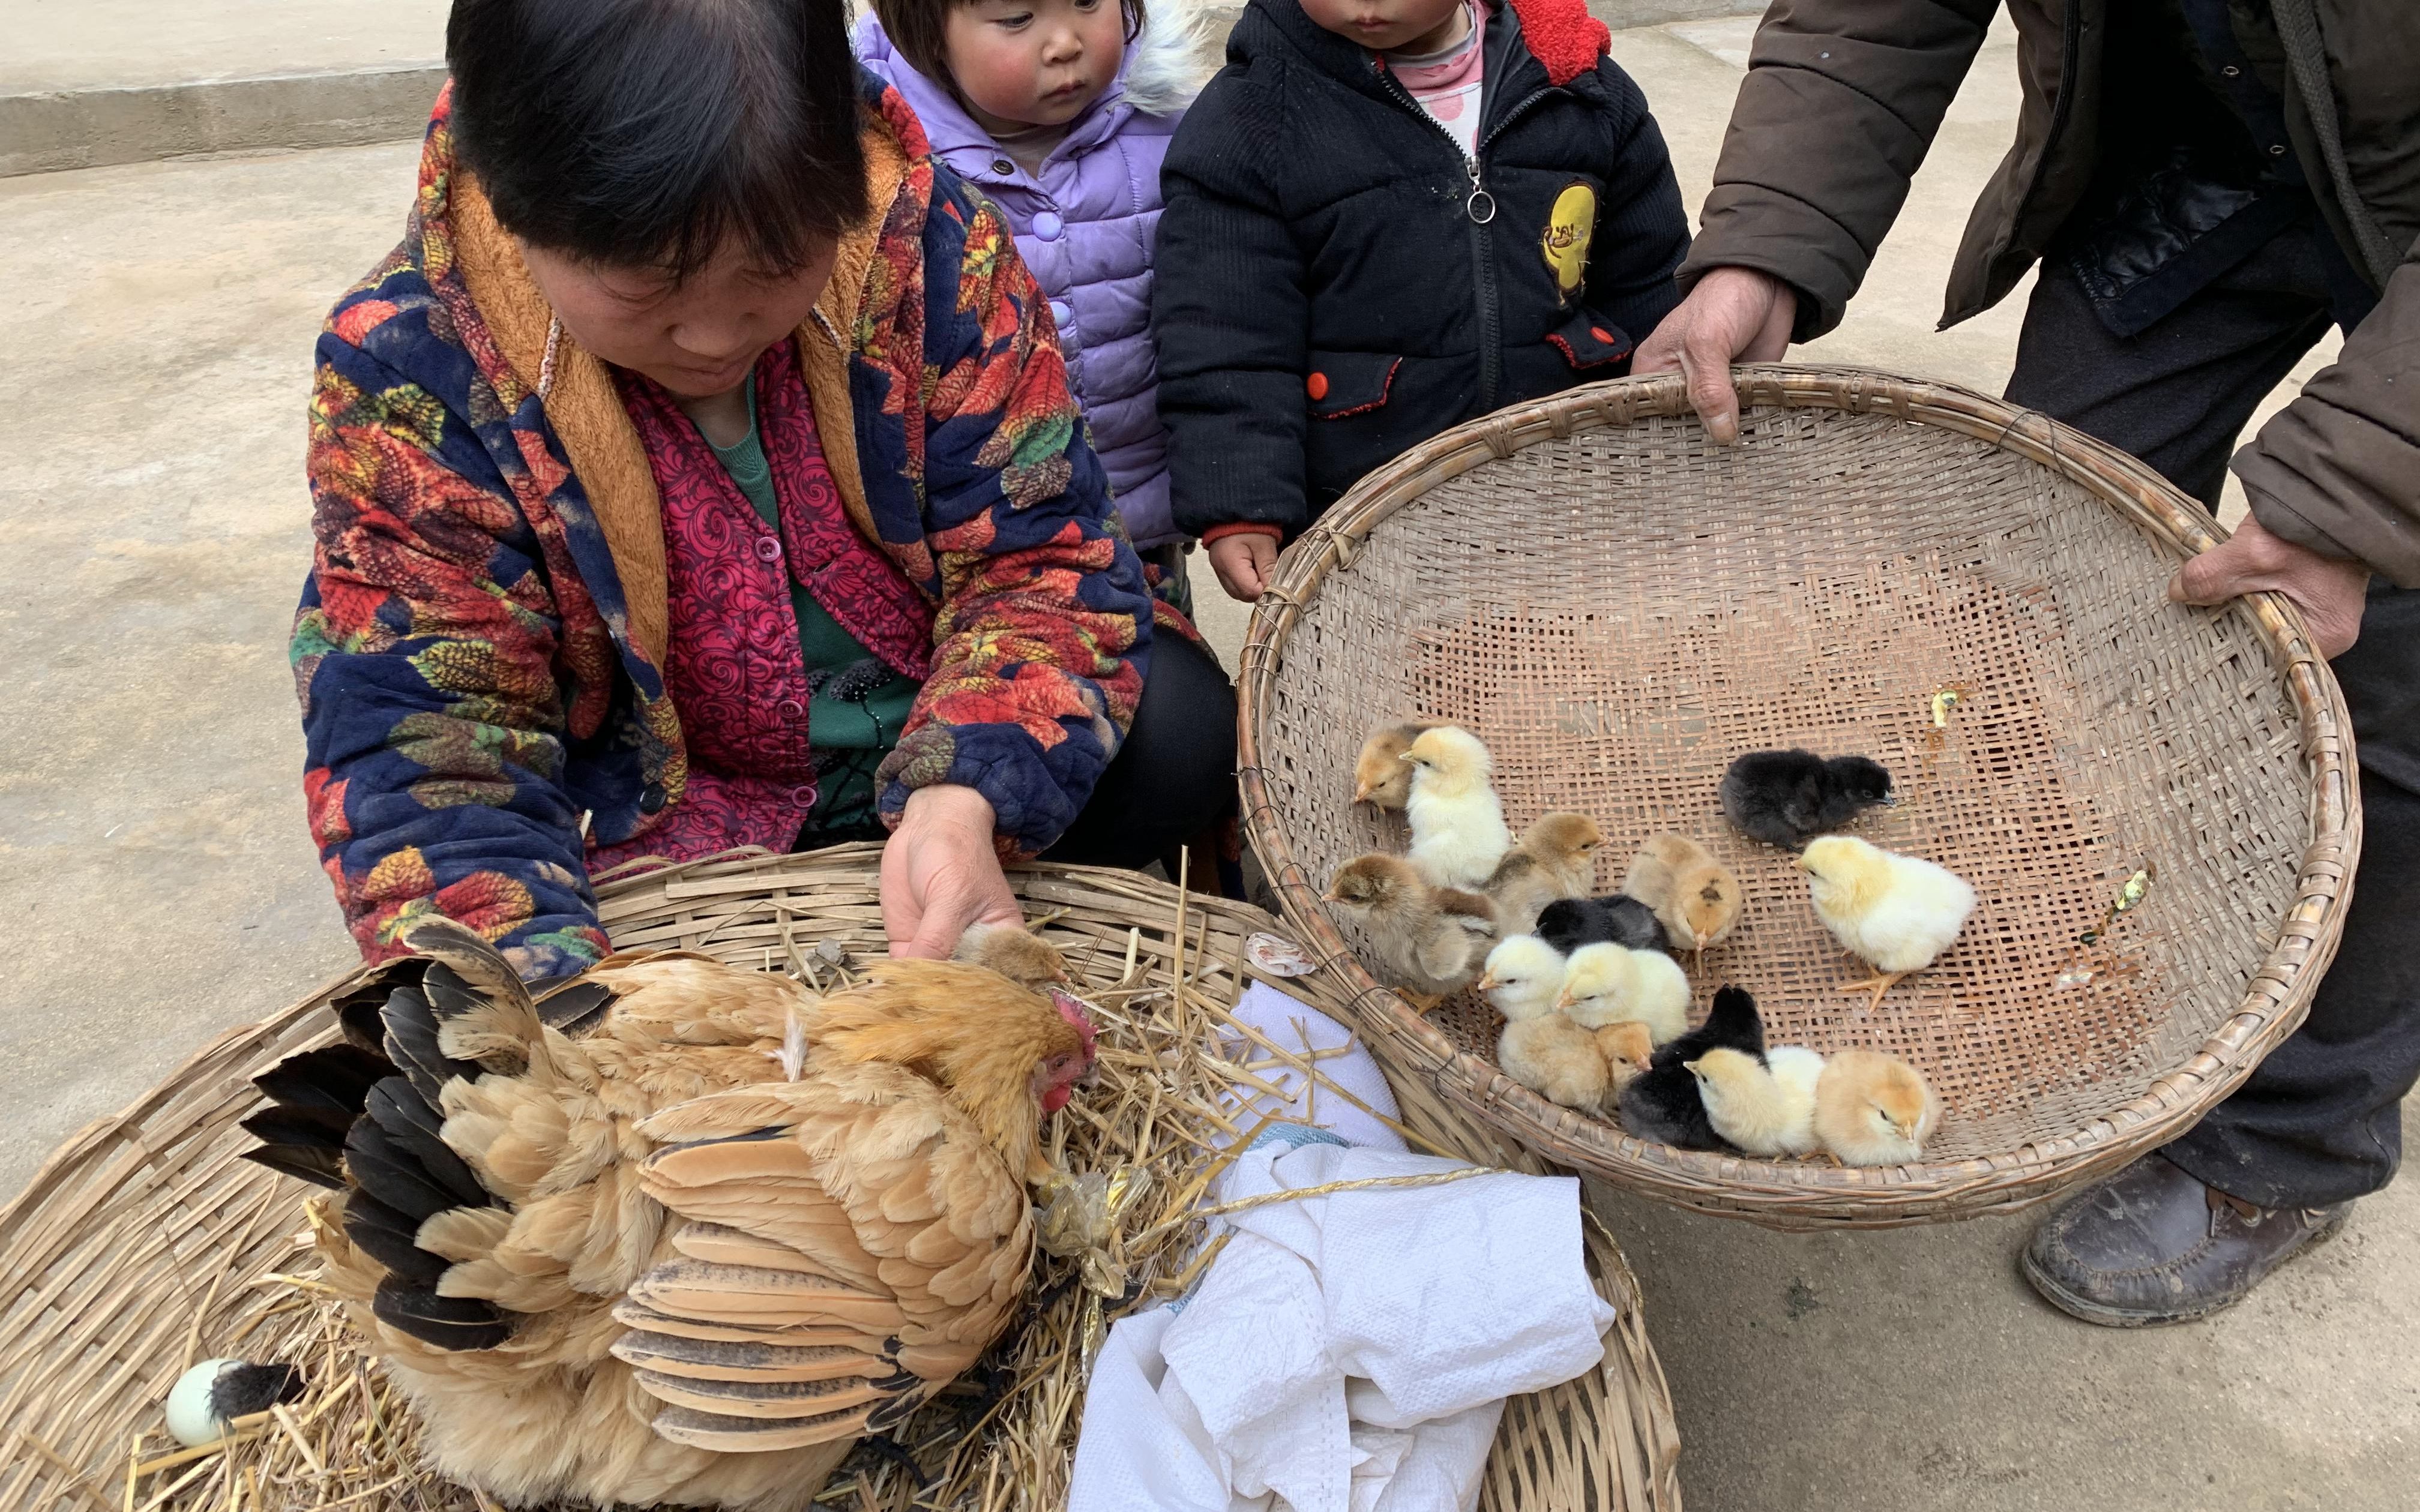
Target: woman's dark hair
(919,30)
(649,133)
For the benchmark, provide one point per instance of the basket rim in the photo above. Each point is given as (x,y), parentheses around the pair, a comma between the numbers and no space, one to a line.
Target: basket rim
(1792,1195)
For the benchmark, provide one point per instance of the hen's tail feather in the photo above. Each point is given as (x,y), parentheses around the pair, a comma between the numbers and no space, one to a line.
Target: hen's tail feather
(334,1078)
(772,1400)
(447,1322)
(389,1171)
(314,1097)
(707,1360)
(385,1235)
(412,1044)
(414,1128)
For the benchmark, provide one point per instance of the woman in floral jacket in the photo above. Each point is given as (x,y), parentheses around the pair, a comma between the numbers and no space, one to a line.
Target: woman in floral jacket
(701,472)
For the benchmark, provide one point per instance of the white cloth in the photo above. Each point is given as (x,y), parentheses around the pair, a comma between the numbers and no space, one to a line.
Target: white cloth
(1348,1353)
(1296,1027)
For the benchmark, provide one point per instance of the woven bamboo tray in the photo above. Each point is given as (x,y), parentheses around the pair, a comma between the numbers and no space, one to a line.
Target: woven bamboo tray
(1620,607)
(144,1244)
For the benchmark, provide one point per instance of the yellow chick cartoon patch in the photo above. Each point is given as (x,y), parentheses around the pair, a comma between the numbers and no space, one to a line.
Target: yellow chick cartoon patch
(1565,244)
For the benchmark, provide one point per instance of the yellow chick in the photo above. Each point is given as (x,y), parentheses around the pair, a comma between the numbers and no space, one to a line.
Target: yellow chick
(1381,778)
(1606,983)
(1751,1103)
(1895,911)
(1873,1109)
(1524,973)
(1458,833)
(1556,859)
(1696,898)
(1422,939)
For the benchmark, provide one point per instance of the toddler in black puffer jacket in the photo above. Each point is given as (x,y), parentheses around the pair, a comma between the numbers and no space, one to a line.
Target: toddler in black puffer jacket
(1386,217)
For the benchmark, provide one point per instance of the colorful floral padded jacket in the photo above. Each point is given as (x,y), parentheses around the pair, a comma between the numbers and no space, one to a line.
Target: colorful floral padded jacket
(480,647)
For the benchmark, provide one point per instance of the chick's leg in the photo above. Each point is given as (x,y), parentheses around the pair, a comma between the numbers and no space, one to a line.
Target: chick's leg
(1876,986)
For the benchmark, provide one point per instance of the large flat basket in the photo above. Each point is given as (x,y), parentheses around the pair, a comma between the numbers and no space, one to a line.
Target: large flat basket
(1966,591)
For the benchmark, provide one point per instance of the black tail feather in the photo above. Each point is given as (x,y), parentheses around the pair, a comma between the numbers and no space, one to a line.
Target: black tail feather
(386,1235)
(320,1167)
(334,1078)
(392,1174)
(448,1322)
(314,1099)
(574,1009)
(412,1044)
(413,1127)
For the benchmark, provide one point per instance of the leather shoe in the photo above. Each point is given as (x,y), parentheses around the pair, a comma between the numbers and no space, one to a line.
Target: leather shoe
(2154,1245)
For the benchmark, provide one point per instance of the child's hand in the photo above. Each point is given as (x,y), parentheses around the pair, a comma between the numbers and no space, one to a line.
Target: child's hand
(1244,562)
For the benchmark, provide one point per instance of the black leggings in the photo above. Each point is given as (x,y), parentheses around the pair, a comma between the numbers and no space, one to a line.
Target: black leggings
(1175,775)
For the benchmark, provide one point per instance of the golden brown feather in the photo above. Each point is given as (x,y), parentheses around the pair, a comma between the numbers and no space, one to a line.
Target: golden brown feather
(1381,777)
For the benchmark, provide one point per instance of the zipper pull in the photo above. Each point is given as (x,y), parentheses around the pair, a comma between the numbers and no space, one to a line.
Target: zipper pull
(1481,206)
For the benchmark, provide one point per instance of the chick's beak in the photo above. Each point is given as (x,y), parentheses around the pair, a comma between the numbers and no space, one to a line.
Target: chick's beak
(1800,862)
(1486,981)
(1361,791)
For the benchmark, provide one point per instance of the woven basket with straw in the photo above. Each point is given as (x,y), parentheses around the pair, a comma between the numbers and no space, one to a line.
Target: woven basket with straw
(1968,592)
(144,1244)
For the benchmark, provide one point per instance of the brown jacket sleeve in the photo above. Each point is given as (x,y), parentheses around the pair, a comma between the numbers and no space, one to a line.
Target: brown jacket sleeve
(2338,470)
(1840,102)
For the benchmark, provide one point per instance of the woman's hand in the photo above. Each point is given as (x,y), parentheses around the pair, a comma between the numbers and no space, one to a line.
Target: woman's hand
(1245,562)
(1734,315)
(2329,590)
(940,873)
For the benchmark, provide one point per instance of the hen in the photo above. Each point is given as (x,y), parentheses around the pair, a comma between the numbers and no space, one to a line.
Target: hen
(676,1231)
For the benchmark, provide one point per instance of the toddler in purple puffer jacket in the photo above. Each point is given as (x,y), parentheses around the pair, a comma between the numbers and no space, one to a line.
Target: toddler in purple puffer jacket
(1060,112)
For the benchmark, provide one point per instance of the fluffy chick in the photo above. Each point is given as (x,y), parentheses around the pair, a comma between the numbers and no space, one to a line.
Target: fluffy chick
(1381,778)
(1662,1103)
(1554,1059)
(1458,832)
(1423,939)
(1873,1109)
(1787,797)
(1524,973)
(1025,958)
(1556,859)
(1608,985)
(1895,911)
(1571,922)
(1696,898)
(1751,1103)
(1627,1051)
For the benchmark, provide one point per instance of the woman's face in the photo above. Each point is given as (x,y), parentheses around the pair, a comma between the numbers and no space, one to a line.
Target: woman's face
(1033,62)
(698,338)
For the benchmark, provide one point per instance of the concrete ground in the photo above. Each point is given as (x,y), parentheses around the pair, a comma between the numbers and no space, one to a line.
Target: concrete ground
(153,359)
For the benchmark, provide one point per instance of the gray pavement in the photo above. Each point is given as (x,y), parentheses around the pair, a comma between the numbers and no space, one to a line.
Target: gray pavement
(153,361)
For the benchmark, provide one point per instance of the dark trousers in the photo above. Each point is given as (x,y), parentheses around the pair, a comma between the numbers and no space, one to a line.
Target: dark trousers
(2320,1120)
(1175,776)
(1172,779)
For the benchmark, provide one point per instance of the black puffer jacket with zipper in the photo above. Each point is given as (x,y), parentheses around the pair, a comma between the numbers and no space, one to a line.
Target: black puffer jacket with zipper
(1331,290)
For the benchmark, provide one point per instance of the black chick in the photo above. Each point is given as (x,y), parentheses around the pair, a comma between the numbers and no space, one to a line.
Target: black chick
(1788,797)
(1661,1103)
(1569,923)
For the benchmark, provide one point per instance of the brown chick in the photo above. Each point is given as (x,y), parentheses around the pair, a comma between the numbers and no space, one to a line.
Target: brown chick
(1696,898)
(775,1220)
(1424,939)
(1557,1059)
(1873,1109)
(1627,1049)
(1556,858)
(1381,777)
(1016,952)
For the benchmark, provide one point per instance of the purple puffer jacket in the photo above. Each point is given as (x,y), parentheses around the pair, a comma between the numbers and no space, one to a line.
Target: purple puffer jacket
(1086,229)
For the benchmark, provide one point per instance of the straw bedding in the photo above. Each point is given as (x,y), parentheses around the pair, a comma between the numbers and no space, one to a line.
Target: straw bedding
(1969,595)
(144,1244)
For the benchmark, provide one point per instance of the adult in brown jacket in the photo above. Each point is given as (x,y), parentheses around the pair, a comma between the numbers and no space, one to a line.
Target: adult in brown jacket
(2208,186)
